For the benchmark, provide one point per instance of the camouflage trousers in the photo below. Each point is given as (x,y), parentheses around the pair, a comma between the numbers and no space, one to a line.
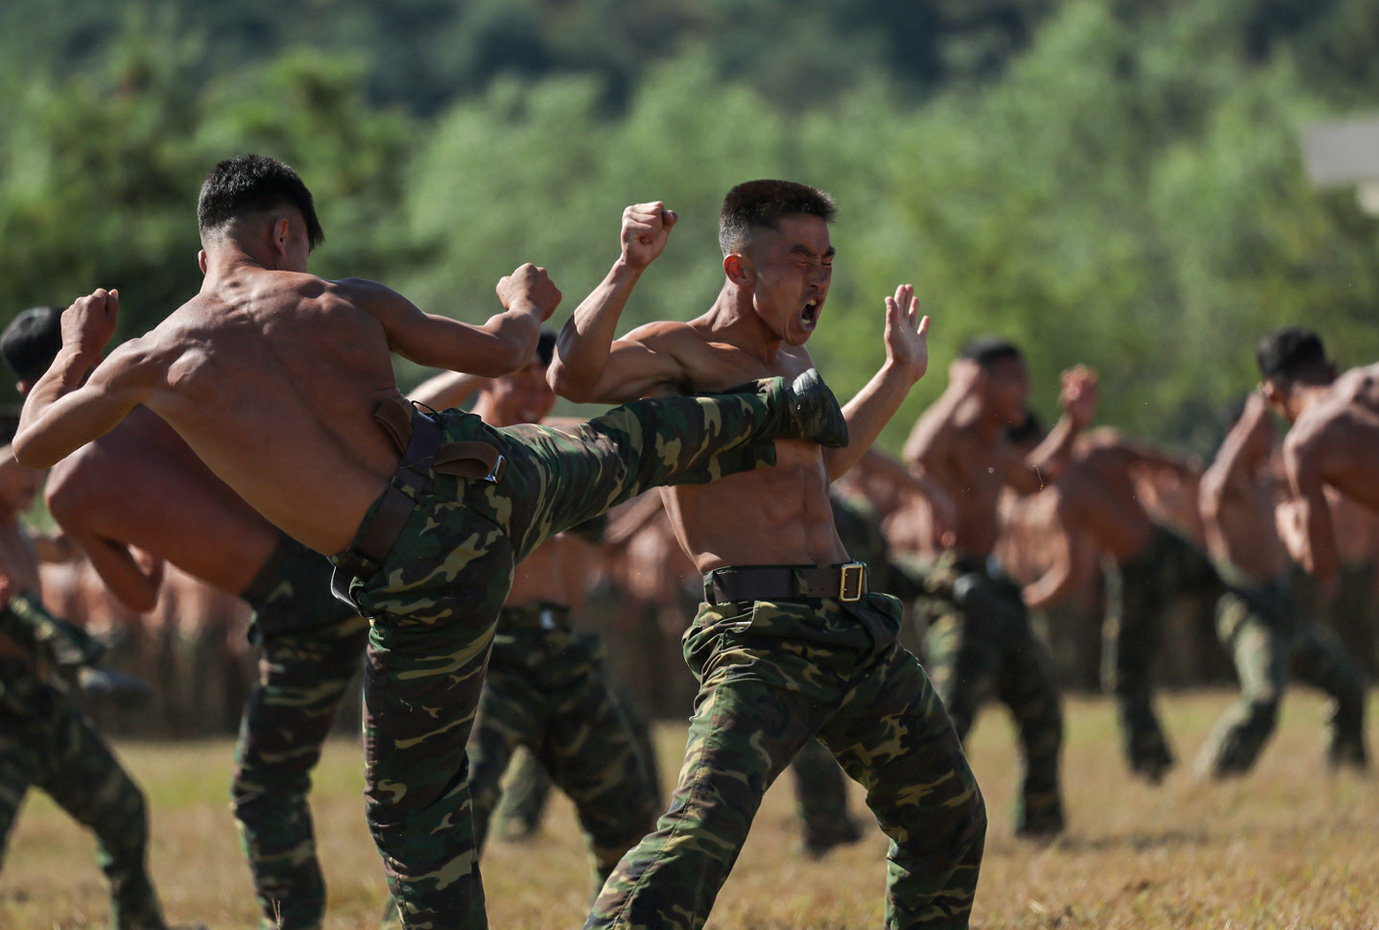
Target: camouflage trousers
(979,643)
(526,786)
(45,742)
(1138,593)
(773,675)
(821,794)
(1268,641)
(312,646)
(547,690)
(435,601)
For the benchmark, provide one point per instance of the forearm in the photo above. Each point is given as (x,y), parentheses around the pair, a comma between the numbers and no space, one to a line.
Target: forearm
(1051,456)
(133,584)
(42,437)
(866,414)
(446,390)
(582,349)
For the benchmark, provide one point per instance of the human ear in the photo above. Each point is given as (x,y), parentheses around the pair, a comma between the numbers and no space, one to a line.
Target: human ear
(201,260)
(737,269)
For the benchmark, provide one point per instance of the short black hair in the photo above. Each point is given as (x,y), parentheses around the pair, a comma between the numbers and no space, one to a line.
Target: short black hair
(31,342)
(1292,354)
(545,345)
(9,423)
(988,350)
(253,184)
(758,204)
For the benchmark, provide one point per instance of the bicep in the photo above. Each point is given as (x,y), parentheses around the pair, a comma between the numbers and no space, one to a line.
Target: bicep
(635,369)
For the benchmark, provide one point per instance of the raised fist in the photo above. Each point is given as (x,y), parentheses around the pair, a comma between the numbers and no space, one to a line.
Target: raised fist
(531,285)
(645,227)
(89,322)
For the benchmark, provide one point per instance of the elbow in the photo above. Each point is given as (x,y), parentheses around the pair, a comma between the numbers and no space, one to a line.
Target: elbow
(141,601)
(568,384)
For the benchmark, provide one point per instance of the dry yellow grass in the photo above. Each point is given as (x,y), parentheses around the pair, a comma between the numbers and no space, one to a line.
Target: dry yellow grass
(1287,847)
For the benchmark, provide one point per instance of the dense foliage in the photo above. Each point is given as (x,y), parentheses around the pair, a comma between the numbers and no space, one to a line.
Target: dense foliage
(1111,182)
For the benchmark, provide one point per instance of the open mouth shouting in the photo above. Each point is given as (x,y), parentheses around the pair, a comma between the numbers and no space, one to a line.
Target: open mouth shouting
(809,314)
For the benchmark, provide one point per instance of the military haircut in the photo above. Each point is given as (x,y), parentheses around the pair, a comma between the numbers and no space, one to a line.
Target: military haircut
(248,184)
(1293,354)
(31,342)
(762,204)
(988,350)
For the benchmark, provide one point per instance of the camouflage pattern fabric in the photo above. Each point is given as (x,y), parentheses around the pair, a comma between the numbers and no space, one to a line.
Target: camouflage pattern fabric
(312,646)
(25,622)
(979,644)
(1260,627)
(1137,594)
(774,675)
(547,690)
(436,599)
(526,786)
(45,742)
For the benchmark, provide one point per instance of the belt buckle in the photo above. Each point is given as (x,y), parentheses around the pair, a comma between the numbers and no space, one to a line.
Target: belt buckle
(854,573)
(499,467)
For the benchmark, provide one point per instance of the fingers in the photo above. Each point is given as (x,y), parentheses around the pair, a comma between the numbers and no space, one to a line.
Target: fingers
(923,329)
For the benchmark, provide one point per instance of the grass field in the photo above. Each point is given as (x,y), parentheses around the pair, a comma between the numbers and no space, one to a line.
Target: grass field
(1289,846)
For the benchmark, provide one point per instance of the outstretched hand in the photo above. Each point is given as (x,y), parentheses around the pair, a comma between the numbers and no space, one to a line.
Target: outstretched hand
(1079,394)
(645,227)
(530,285)
(89,322)
(907,344)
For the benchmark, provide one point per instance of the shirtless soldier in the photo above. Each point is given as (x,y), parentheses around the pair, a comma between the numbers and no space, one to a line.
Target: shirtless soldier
(547,687)
(790,643)
(139,491)
(1097,497)
(47,742)
(282,383)
(979,638)
(1256,619)
(1333,441)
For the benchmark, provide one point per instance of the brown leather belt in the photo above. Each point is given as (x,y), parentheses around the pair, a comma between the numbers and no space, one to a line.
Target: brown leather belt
(846,582)
(418,435)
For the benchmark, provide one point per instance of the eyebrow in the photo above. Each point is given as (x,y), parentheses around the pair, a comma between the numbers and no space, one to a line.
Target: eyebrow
(807,252)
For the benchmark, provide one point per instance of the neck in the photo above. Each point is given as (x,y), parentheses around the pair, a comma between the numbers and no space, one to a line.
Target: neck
(1303,396)
(734,320)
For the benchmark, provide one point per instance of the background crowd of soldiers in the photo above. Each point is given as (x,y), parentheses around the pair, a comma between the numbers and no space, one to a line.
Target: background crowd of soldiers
(192,650)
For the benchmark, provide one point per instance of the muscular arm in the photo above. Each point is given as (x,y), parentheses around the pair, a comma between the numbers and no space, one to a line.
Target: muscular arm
(501,345)
(133,578)
(80,397)
(446,390)
(590,364)
(907,359)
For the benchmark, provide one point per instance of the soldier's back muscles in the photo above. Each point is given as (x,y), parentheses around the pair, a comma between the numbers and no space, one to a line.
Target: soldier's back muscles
(275,392)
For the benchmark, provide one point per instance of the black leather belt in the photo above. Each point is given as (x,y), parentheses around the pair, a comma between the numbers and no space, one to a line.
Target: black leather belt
(423,454)
(846,582)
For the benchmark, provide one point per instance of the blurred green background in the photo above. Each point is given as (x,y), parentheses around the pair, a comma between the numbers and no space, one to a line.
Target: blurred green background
(1114,182)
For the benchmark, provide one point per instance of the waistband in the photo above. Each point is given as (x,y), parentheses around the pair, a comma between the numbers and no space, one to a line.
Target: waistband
(418,437)
(846,581)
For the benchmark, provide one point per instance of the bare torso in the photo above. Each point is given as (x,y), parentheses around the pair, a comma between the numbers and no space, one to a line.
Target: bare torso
(272,379)
(769,516)
(1341,432)
(1243,533)
(1097,496)
(970,464)
(141,485)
